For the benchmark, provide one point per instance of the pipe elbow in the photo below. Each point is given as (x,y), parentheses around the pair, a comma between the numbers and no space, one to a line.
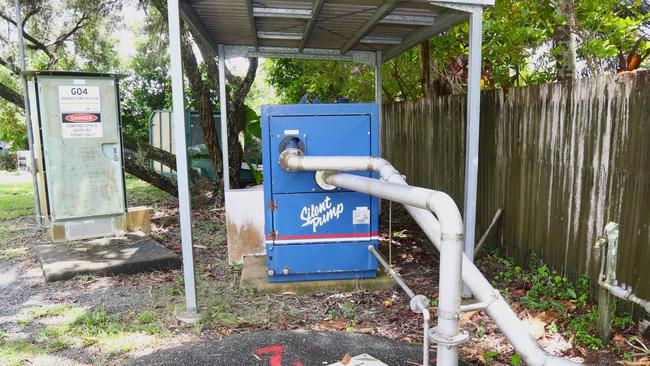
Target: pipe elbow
(445,209)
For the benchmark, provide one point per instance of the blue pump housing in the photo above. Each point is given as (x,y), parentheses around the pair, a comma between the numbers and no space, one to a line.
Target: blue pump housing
(312,233)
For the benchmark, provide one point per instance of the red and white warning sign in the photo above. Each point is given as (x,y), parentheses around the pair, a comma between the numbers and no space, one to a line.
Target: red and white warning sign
(80,109)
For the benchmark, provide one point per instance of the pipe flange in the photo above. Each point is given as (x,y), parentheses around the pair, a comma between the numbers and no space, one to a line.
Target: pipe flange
(320,178)
(418,302)
(456,340)
(287,153)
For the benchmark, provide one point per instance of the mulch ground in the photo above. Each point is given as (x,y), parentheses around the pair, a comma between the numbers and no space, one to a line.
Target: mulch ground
(227,310)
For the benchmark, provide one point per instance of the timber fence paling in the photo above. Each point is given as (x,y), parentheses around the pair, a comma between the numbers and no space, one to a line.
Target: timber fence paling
(562,159)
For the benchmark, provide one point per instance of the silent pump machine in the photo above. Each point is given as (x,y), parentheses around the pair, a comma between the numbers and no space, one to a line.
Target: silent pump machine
(315,231)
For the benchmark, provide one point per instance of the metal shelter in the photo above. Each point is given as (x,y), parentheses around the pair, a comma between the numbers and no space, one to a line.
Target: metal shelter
(364,31)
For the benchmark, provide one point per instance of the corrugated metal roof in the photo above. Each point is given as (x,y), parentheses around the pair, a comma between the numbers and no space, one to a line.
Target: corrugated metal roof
(331,25)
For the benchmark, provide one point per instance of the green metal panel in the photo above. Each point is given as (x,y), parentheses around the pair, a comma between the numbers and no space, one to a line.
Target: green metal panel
(79,117)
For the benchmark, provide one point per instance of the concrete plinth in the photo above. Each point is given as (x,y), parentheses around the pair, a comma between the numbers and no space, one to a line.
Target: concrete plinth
(131,253)
(254,276)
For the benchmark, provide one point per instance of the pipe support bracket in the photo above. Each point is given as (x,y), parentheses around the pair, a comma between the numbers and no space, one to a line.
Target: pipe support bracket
(456,340)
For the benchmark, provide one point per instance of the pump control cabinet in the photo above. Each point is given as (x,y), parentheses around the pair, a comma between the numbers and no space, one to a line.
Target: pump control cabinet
(312,233)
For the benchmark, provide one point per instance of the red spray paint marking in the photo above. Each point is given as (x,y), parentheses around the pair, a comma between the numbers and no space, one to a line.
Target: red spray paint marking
(276,353)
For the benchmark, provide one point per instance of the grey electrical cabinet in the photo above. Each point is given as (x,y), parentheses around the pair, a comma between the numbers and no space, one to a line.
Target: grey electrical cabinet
(78,143)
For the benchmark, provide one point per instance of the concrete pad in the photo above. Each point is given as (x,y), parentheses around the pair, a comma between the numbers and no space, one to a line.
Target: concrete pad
(296,348)
(254,276)
(131,253)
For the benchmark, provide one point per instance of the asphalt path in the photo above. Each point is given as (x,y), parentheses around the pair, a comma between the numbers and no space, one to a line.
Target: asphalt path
(286,348)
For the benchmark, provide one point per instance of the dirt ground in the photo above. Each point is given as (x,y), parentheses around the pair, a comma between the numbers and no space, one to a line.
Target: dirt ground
(111,320)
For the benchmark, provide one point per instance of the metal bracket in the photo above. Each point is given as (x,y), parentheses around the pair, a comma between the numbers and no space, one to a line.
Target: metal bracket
(456,340)
(418,302)
(272,205)
(273,234)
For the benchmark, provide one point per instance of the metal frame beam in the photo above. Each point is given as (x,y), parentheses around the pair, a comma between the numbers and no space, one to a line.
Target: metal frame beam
(363,57)
(293,13)
(279,35)
(381,40)
(443,22)
(251,18)
(404,19)
(309,27)
(379,14)
(193,20)
(299,13)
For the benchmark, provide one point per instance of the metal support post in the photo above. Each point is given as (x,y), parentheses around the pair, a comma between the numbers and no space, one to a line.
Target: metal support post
(472,131)
(224,118)
(606,301)
(184,202)
(28,115)
(378,92)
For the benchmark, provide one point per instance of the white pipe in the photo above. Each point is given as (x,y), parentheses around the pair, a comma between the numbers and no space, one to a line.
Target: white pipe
(451,249)
(497,308)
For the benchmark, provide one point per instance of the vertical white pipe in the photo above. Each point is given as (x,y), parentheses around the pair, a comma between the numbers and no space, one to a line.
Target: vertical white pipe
(28,114)
(184,203)
(473,127)
(224,118)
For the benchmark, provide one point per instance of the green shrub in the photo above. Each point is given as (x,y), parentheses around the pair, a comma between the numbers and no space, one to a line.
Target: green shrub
(7,161)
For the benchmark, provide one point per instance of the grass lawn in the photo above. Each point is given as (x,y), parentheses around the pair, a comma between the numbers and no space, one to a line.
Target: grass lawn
(16,200)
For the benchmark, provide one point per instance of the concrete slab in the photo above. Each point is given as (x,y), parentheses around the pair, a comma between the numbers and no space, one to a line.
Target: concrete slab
(295,348)
(254,276)
(131,253)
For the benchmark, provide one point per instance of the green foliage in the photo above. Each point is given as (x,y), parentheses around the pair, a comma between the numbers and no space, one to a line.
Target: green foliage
(519,48)
(609,28)
(490,356)
(148,88)
(516,360)
(7,161)
(550,291)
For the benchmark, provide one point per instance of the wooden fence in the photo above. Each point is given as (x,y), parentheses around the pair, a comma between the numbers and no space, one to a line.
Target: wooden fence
(562,159)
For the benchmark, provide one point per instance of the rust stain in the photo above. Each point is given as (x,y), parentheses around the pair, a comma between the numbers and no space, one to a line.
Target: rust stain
(244,239)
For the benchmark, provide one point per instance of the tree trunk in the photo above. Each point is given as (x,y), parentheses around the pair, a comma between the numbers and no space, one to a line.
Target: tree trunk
(425,70)
(565,41)
(201,91)
(135,165)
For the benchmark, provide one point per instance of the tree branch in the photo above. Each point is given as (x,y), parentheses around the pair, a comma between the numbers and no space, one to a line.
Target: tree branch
(11,96)
(9,65)
(35,43)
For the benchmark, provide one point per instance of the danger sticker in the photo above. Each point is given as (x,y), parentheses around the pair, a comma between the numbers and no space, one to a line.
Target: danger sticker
(361,216)
(81,117)
(80,108)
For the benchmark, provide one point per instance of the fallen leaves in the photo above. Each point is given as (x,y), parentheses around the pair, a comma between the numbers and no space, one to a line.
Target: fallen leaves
(346,359)
(330,325)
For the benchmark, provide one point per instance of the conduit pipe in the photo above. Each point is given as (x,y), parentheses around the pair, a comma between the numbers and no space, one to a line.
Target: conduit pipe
(495,306)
